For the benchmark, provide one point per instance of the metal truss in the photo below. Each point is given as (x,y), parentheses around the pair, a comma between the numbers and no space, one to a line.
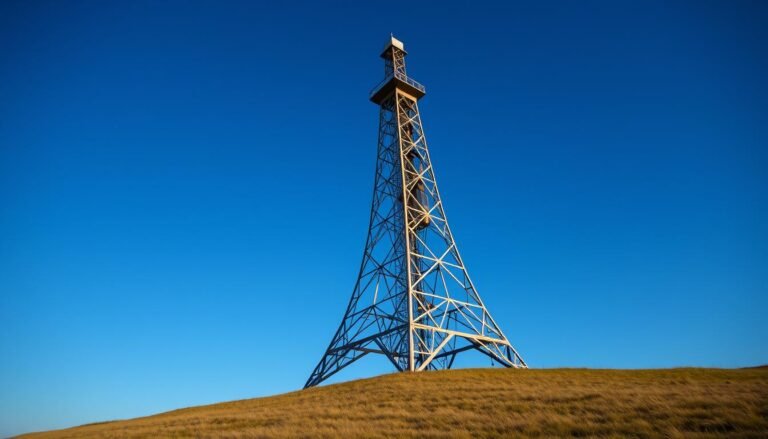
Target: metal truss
(413,301)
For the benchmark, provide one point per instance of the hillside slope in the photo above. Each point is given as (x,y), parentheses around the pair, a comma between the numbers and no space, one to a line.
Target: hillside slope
(482,403)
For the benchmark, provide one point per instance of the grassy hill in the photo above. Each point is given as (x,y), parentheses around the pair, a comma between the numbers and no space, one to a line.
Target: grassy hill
(482,403)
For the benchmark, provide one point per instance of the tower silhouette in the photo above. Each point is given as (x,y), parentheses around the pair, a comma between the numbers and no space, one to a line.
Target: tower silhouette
(413,301)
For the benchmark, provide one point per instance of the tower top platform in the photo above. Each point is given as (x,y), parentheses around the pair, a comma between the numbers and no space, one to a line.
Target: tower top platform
(393,42)
(395,77)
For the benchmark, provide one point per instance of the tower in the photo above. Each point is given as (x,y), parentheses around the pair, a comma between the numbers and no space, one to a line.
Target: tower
(413,301)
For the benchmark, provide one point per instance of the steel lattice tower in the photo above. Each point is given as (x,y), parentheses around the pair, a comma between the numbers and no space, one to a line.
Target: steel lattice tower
(413,301)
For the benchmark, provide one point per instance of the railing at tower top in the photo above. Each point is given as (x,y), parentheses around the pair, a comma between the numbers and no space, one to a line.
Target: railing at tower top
(401,77)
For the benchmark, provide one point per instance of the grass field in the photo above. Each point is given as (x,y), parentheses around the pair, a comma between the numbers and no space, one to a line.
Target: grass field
(476,403)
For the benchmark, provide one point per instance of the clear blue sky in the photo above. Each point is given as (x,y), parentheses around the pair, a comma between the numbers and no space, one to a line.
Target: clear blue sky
(185,188)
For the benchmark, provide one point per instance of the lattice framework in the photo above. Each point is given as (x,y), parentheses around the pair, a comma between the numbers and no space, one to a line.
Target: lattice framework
(413,301)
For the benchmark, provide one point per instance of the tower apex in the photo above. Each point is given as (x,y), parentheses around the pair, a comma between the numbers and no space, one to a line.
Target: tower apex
(392,42)
(395,77)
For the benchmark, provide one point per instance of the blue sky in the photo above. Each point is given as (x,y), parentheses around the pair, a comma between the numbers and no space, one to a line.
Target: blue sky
(185,188)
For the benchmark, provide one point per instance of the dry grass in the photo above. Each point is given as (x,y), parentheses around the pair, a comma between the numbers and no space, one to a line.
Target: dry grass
(481,403)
